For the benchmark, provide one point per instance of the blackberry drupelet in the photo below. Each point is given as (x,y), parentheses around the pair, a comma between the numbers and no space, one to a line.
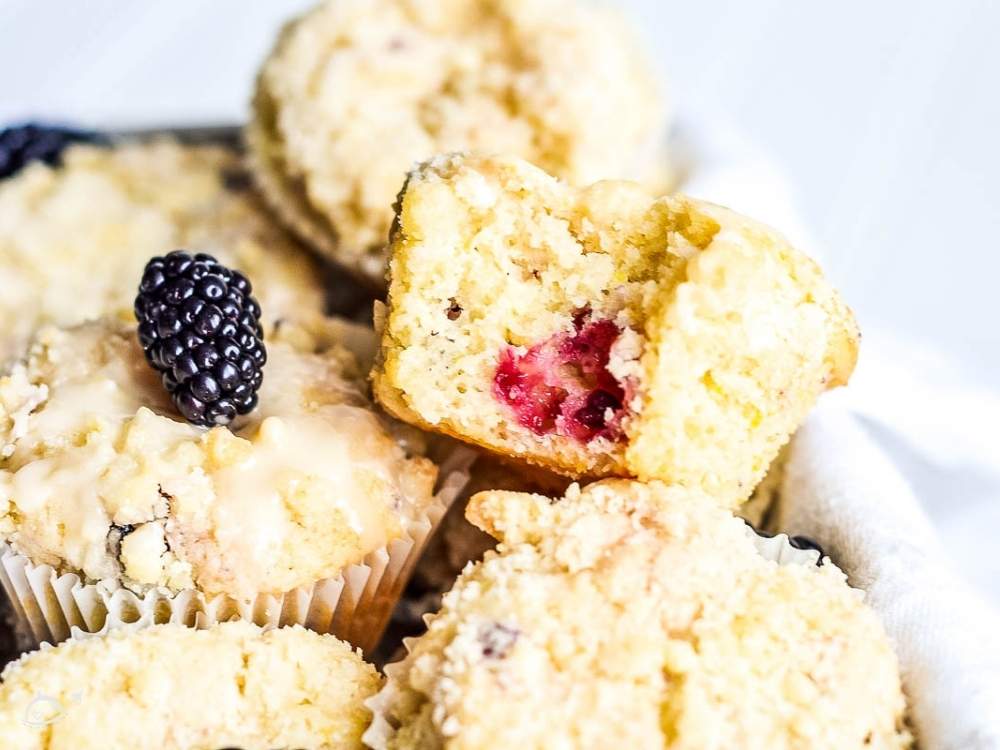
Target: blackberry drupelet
(22,144)
(200,328)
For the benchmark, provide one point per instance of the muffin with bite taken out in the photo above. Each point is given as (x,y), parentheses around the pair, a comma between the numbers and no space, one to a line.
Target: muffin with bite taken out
(601,332)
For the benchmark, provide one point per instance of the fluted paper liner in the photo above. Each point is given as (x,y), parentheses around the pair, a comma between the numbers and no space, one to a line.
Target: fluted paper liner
(355,605)
(382,729)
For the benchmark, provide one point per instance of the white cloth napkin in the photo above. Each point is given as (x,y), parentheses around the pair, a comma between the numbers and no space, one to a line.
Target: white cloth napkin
(840,489)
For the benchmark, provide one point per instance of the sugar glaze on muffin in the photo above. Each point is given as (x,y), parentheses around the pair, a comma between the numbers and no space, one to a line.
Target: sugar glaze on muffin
(99,475)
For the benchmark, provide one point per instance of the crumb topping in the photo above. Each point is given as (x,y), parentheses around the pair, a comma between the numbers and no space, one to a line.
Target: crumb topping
(113,209)
(356,91)
(171,687)
(640,615)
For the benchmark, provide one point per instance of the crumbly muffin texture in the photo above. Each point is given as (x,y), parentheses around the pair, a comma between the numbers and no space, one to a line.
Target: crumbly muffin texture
(74,239)
(100,476)
(457,541)
(356,91)
(639,615)
(598,331)
(175,688)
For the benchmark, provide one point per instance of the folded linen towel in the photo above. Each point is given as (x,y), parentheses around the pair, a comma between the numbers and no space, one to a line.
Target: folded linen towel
(841,489)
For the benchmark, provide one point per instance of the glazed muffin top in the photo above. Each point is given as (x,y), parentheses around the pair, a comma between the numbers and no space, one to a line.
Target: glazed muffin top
(356,91)
(74,239)
(100,476)
(640,615)
(170,687)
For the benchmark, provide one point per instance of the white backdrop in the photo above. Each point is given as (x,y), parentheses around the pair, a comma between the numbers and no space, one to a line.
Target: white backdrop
(884,115)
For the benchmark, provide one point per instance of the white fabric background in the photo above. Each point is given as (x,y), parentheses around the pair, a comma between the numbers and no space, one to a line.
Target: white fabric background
(883,115)
(839,487)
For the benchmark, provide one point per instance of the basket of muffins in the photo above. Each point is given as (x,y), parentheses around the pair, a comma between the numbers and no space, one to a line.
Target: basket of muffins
(427,413)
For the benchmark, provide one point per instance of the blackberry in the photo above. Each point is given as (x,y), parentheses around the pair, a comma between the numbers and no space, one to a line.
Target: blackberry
(22,144)
(200,329)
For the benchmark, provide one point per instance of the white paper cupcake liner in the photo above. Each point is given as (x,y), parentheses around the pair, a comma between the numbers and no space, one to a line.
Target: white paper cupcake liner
(382,729)
(354,605)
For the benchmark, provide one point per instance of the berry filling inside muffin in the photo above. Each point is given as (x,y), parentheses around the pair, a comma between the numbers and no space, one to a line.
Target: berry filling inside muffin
(562,385)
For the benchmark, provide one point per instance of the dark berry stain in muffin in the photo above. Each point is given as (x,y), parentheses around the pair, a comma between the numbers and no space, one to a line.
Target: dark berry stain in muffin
(562,385)
(497,640)
(199,327)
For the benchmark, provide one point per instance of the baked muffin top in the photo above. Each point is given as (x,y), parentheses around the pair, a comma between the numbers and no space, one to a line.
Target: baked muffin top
(170,687)
(74,239)
(356,91)
(640,615)
(99,475)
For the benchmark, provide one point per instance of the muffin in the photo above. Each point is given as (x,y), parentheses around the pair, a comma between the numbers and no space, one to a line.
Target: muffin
(175,688)
(74,238)
(599,332)
(458,542)
(640,615)
(455,543)
(356,91)
(311,509)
